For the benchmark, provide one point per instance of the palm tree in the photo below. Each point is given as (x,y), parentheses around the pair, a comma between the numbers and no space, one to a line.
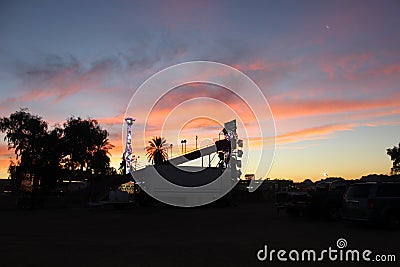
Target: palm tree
(155,151)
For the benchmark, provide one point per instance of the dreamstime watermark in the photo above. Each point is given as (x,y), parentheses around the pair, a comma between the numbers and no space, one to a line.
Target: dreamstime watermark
(338,253)
(238,98)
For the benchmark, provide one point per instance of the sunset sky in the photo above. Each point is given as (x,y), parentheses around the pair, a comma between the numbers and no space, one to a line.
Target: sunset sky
(330,70)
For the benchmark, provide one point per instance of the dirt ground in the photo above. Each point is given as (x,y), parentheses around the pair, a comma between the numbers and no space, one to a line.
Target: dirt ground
(167,236)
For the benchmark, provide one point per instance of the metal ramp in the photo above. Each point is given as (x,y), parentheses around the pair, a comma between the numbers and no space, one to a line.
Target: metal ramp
(192,155)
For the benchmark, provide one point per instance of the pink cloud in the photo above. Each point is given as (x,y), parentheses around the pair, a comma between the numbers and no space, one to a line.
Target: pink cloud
(386,70)
(345,66)
(313,133)
(119,119)
(265,65)
(373,114)
(64,78)
(307,134)
(318,132)
(303,107)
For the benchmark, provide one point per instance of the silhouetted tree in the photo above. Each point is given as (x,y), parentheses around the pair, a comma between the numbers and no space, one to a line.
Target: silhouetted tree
(27,134)
(122,166)
(46,154)
(23,131)
(156,151)
(12,170)
(394,154)
(53,150)
(87,146)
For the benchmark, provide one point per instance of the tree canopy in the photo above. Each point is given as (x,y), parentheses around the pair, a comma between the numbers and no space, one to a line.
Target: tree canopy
(87,145)
(78,145)
(394,154)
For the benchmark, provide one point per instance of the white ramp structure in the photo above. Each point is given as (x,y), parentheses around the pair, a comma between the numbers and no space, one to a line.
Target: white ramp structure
(190,186)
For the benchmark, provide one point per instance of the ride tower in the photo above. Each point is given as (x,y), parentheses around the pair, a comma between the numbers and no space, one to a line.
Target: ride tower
(128,148)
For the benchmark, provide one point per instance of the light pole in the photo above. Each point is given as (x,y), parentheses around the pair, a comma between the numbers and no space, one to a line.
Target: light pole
(196,141)
(183,142)
(170,146)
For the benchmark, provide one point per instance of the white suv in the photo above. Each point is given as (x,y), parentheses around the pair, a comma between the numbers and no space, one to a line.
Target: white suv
(376,202)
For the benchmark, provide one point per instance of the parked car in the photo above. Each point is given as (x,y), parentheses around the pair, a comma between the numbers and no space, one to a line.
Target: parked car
(374,202)
(298,203)
(325,201)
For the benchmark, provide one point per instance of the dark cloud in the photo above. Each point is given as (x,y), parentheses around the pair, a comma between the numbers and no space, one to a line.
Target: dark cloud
(56,77)
(148,51)
(45,68)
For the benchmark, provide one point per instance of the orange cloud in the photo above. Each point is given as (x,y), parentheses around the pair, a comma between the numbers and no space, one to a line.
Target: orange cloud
(313,133)
(5,156)
(4,163)
(317,132)
(4,151)
(119,119)
(191,92)
(299,108)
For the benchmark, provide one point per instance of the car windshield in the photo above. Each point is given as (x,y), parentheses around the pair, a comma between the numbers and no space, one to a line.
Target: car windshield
(359,191)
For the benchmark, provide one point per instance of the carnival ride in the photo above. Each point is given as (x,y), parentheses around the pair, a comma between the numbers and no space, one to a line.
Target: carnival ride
(227,149)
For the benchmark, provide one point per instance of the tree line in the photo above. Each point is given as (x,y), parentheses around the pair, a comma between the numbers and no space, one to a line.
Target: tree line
(79,147)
